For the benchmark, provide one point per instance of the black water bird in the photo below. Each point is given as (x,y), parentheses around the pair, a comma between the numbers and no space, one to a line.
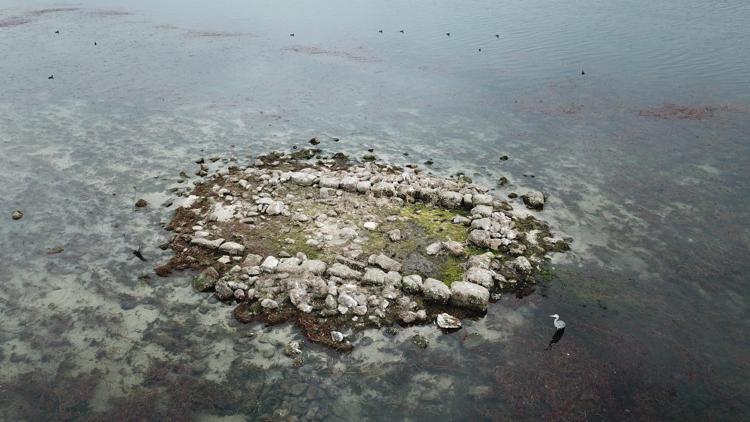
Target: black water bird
(94,42)
(380,30)
(497,35)
(292,34)
(582,72)
(57,32)
(447,34)
(51,77)
(480,50)
(401,31)
(138,254)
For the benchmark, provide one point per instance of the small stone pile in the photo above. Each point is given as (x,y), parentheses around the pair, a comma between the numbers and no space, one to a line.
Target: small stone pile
(338,245)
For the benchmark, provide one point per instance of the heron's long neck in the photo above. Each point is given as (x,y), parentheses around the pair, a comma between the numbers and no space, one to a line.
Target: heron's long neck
(556,318)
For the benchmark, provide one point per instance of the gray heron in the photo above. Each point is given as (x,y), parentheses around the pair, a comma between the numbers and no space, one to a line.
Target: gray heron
(559,324)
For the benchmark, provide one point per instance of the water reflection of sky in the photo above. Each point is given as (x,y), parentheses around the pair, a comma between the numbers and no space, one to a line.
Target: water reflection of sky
(653,292)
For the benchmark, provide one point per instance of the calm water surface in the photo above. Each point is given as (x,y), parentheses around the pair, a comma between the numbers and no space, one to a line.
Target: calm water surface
(654,292)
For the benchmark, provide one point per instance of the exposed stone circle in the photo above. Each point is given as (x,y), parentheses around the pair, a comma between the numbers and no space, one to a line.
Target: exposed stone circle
(338,245)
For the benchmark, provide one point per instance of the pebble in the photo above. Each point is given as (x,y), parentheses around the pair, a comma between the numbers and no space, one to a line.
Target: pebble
(371,225)
(434,248)
(394,235)
(16,215)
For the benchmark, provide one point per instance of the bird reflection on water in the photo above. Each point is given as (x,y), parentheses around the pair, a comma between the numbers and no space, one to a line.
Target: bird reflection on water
(556,337)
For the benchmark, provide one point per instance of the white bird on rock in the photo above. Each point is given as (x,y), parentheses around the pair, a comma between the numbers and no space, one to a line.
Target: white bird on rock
(559,324)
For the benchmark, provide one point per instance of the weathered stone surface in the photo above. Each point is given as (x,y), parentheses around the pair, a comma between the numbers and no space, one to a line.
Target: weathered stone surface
(450,199)
(480,238)
(481,276)
(210,244)
(469,295)
(303,179)
(374,276)
(233,248)
(349,183)
(434,248)
(483,210)
(289,265)
(346,300)
(394,235)
(448,322)
(314,266)
(205,280)
(460,219)
(533,200)
(384,262)
(276,208)
(223,291)
(370,225)
(252,260)
(330,182)
(522,264)
(454,248)
(481,224)
(269,264)
(269,303)
(436,290)
(363,186)
(341,270)
(482,199)
(412,283)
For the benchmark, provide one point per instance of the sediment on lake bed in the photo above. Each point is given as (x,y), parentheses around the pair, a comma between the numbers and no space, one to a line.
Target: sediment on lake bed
(335,245)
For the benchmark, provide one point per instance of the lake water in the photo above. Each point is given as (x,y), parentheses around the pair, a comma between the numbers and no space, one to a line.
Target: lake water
(645,160)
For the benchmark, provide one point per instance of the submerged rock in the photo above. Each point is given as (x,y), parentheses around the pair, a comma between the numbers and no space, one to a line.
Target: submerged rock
(206,279)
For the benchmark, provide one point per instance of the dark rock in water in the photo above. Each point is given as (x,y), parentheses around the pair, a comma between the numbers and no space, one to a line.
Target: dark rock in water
(205,280)
(369,157)
(502,181)
(141,203)
(512,195)
(57,250)
(200,160)
(16,215)
(223,291)
(503,158)
(246,312)
(473,340)
(314,141)
(127,302)
(428,163)
(416,263)
(420,341)
(533,200)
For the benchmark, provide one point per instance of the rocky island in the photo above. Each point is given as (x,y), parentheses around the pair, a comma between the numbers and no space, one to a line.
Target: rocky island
(335,245)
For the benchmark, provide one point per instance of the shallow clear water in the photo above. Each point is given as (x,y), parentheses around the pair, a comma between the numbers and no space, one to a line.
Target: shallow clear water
(654,291)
